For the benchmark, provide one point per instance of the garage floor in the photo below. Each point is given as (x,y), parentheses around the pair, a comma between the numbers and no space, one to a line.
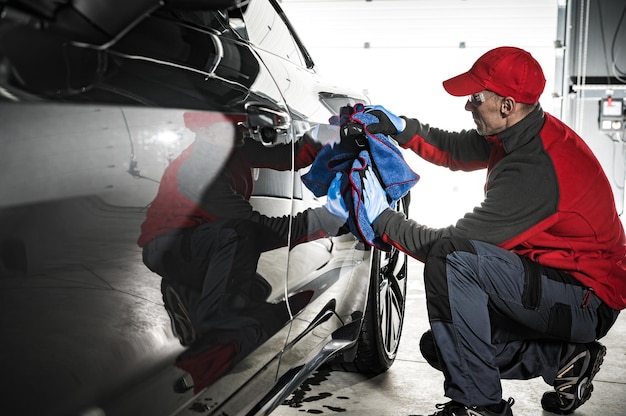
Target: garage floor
(412,387)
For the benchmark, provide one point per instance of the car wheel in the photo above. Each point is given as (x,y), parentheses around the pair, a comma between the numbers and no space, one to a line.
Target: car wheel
(381,329)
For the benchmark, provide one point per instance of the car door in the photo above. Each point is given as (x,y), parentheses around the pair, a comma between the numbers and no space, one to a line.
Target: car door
(86,151)
(233,80)
(327,276)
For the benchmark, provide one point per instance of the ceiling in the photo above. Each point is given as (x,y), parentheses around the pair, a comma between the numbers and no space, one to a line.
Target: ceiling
(402,24)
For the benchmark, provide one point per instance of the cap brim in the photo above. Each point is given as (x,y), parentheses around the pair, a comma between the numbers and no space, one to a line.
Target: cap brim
(462,85)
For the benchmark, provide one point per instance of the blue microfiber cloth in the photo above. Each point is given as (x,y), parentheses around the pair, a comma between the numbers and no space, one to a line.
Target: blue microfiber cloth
(334,157)
(358,221)
(396,177)
(352,157)
(331,159)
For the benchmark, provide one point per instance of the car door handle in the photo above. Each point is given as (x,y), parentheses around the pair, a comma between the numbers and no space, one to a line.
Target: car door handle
(266,124)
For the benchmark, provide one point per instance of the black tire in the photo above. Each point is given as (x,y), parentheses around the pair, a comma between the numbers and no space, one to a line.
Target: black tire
(381,329)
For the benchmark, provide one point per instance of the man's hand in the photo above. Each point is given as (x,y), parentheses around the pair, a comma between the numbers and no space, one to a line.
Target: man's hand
(334,203)
(388,123)
(374,196)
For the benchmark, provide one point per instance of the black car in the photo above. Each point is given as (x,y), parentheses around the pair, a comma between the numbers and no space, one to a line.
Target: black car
(98,99)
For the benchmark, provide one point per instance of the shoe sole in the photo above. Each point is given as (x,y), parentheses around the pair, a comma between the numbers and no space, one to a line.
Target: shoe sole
(584,387)
(179,317)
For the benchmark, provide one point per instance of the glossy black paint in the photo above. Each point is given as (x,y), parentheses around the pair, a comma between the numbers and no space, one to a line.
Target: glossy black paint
(92,111)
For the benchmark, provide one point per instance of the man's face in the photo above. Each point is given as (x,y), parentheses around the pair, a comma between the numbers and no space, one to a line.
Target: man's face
(485,107)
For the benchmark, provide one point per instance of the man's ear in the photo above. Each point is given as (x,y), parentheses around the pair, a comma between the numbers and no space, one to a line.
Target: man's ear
(507,106)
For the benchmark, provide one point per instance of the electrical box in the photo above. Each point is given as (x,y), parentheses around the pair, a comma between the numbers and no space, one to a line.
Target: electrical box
(611,114)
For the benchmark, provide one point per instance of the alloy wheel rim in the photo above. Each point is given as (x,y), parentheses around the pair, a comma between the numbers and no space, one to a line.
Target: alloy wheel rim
(391,313)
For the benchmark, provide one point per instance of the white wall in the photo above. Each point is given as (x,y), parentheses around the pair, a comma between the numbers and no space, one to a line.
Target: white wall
(414,45)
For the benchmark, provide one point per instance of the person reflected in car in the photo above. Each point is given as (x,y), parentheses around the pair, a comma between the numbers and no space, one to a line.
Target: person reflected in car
(204,238)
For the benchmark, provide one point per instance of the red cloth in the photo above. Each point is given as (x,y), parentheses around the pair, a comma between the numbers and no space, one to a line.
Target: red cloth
(195,120)
(207,366)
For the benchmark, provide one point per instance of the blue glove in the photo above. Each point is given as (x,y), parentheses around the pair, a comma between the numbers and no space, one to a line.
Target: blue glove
(334,203)
(388,123)
(374,196)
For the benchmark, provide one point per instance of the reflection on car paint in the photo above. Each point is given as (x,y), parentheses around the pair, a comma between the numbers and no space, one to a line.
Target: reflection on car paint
(94,119)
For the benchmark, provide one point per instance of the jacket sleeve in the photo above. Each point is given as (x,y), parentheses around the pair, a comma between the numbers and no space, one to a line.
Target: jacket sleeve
(222,202)
(465,150)
(309,225)
(513,205)
(407,235)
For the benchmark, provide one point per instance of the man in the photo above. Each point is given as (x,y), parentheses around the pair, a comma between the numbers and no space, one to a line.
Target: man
(204,238)
(525,284)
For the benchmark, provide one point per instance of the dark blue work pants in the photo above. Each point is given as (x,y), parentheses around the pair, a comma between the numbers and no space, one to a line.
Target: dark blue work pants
(212,266)
(494,316)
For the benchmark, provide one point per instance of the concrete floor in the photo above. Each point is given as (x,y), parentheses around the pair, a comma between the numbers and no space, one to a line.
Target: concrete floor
(412,387)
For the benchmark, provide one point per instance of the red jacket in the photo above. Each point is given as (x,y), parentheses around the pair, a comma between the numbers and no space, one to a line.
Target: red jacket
(207,182)
(546,198)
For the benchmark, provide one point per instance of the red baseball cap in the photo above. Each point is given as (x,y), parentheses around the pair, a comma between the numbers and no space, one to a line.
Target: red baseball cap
(507,71)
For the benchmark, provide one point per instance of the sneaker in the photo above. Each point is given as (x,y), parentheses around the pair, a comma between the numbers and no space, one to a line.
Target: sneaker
(179,317)
(457,409)
(572,384)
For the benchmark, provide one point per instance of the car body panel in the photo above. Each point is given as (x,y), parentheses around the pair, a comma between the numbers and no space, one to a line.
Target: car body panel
(90,121)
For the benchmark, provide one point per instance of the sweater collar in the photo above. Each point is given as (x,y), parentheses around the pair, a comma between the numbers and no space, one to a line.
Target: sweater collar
(521,132)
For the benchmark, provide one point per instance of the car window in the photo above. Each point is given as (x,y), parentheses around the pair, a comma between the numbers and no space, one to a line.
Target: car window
(265,28)
(215,20)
